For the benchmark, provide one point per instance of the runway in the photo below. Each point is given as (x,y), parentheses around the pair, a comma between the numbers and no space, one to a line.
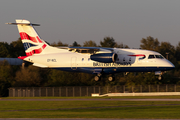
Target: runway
(91,99)
(76,119)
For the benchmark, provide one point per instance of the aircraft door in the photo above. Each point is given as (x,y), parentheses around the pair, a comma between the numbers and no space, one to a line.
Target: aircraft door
(73,63)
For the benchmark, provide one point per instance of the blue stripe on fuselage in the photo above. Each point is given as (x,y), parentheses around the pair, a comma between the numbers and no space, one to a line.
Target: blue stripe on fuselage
(112,70)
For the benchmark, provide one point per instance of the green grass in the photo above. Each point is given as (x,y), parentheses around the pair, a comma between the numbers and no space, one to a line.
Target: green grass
(90,109)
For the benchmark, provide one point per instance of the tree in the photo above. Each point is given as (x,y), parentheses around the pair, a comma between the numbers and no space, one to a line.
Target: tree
(141,78)
(90,43)
(167,50)
(75,44)
(121,45)
(17,48)
(28,77)
(58,44)
(150,43)
(6,78)
(63,78)
(5,50)
(177,52)
(108,42)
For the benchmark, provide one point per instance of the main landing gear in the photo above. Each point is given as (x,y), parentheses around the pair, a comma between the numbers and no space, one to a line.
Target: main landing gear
(98,77)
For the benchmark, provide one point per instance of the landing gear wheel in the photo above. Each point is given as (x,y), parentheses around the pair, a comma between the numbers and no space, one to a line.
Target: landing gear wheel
(160,77)
(96,78)
(110,78)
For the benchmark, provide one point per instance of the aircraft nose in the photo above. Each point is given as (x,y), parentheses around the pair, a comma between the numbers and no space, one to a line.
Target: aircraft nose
(169,65)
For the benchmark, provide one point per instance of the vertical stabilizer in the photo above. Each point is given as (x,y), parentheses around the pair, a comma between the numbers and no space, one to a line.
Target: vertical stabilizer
(30,39)
(33,44)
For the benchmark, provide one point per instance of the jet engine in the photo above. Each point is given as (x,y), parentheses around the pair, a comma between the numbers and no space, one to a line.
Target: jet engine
(104,57)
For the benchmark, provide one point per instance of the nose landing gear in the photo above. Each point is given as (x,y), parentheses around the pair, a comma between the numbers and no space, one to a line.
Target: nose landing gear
(160,77)
(159,73)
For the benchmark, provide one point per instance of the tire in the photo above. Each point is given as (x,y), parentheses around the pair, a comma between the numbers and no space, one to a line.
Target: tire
(110,78)
(96,78)
(160,77)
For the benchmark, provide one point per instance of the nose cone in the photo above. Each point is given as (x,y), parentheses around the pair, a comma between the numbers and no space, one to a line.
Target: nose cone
(169,65)
(164,65)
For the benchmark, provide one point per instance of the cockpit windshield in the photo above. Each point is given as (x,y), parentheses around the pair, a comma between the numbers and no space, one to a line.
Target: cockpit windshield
(159,56)
(151,56)
(155,56)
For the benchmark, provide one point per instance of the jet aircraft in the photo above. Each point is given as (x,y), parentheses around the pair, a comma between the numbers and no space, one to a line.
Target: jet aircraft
(94,60)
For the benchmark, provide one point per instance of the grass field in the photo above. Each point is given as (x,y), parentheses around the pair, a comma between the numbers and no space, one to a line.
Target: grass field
(91,109)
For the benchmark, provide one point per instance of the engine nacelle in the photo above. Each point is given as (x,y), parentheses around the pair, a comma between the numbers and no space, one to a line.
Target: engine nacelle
(104,57)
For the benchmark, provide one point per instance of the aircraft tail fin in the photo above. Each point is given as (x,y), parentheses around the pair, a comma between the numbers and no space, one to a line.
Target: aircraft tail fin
(30,38)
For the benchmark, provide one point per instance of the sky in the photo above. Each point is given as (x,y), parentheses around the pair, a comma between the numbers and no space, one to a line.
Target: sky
(127,21)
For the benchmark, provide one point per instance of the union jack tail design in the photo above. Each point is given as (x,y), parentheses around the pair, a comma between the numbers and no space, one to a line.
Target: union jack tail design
(30,39)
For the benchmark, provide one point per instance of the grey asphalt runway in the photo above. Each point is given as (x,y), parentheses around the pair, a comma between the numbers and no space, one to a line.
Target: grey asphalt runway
(76,119)
(95,99)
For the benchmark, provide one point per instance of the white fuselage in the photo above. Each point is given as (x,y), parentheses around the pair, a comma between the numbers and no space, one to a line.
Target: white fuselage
(128,60)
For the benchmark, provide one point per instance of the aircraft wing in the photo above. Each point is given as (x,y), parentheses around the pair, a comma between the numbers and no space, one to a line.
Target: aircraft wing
(90,50)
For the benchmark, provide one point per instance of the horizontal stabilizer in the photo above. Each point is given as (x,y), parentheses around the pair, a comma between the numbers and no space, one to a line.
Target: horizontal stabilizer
(23,24)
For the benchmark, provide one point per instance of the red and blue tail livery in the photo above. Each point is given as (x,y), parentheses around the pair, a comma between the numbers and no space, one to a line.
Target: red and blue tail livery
(30,39)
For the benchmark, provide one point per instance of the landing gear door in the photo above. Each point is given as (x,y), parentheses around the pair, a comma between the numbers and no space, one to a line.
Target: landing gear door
(73,63)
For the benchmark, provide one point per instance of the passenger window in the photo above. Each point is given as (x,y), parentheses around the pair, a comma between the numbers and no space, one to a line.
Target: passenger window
(129,59)
(151,56)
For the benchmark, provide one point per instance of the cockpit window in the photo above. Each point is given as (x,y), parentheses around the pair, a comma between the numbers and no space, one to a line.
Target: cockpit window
(159,56)
(155,56)
(151,56)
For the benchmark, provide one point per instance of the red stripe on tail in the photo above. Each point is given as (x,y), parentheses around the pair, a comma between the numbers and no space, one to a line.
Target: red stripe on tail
(33,39)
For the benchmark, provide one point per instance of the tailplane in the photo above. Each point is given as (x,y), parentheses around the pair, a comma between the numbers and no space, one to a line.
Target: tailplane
(30,39)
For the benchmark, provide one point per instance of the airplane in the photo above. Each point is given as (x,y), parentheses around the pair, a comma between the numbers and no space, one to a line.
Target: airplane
(93,60)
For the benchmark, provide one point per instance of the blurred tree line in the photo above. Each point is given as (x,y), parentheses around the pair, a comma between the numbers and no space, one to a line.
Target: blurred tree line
(15,76)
